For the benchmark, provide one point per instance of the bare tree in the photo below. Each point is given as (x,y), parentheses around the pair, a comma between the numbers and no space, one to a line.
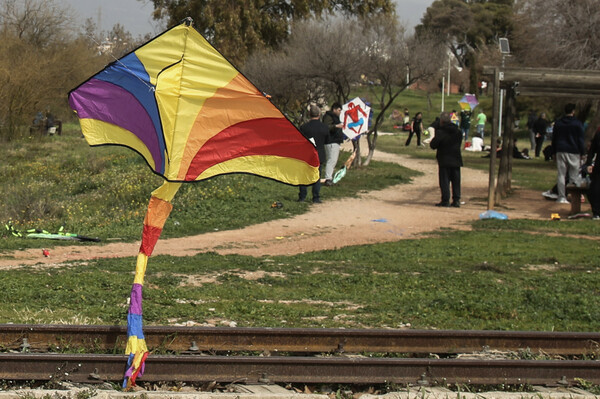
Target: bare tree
(40,60)
(330,51)
(395,62)
(322,59)
(326,59)
(39,23)
(274,73)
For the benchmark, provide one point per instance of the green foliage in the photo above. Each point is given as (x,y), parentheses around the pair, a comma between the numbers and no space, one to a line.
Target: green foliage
(468,25)
(237,28)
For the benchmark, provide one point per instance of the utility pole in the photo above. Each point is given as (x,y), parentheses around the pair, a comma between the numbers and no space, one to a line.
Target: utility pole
(443,82)
(449,55)
(504,50)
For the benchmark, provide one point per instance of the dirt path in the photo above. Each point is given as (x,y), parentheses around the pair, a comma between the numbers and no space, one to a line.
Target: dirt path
(395,213)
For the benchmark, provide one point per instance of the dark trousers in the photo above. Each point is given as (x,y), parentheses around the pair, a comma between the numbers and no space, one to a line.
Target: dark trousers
(316,189)
(539,142)
(447,176)
(594,194)
(418,133)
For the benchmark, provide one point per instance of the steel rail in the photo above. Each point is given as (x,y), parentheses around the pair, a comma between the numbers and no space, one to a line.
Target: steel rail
(38,338)
(256,369)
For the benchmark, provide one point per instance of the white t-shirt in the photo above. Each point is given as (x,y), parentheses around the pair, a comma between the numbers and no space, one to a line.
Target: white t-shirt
(476,144)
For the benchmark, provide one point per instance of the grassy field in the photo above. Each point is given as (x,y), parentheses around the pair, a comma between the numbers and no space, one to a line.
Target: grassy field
(495,277)
(104,192)
(507,275)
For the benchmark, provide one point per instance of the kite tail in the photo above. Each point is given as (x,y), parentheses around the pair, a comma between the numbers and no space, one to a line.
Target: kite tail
(158,211)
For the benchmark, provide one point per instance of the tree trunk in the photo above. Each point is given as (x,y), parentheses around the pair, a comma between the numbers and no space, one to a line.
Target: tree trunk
(357,160)
(511,113)
(473,73)
(505,169)
(371,141)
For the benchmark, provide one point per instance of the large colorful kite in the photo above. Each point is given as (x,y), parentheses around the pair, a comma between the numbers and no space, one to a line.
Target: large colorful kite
(182,106)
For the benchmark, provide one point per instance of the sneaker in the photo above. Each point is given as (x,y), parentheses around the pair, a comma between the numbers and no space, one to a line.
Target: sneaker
(562,201)
(443,204)
(316,201)
(328,183)
(550,195)
(596,217)
(455,204)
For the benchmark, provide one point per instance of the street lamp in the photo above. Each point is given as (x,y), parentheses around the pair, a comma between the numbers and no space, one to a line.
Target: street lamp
(505,51)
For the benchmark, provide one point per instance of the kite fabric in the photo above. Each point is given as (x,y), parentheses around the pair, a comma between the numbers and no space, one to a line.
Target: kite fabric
(180,104)
(184,108)
(355,118)
(468,102)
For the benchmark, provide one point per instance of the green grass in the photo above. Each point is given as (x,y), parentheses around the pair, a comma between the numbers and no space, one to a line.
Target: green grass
(104,191)
(491,278)
(506,275)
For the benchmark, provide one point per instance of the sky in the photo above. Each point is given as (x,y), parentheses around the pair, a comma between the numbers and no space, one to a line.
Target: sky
(135,15)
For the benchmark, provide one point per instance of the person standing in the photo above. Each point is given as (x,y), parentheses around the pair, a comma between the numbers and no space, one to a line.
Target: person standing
(593,168)
(481,119)
(334,139)
(539,129)
(317,132)
(568,145)
(465,123)
(447,142)
(416,127)
(530,122)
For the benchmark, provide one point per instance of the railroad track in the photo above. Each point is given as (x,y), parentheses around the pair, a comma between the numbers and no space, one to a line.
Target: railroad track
(41,338)
(337,366)
(278,369)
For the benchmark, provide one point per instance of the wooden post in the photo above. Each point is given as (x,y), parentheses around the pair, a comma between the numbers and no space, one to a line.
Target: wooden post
(511,112)
(503,184)
(496,113)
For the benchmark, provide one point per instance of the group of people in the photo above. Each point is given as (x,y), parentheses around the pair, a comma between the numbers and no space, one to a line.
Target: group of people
(568,150)
(327,136)
(415,127)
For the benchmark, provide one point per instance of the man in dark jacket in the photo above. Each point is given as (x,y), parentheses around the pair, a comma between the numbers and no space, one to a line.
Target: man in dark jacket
(568,145)
(317,132)
(333,142)
(539,129)
(447,142)
(530,121)
(593,168)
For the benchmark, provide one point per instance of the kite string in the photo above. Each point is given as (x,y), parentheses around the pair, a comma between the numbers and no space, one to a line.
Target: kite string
(117,60)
